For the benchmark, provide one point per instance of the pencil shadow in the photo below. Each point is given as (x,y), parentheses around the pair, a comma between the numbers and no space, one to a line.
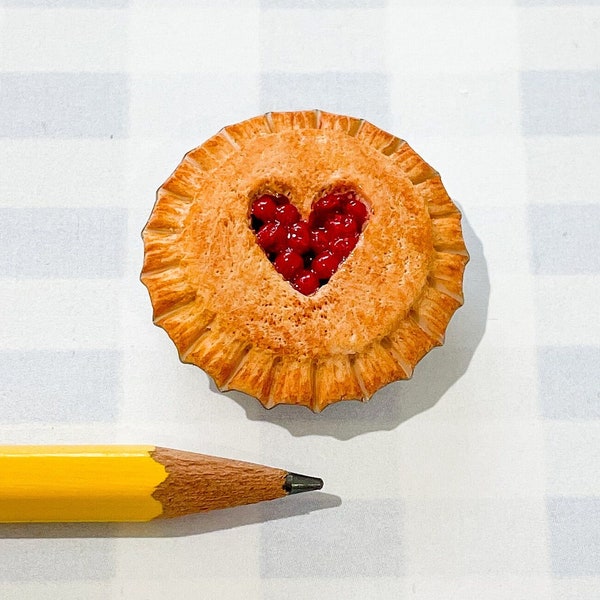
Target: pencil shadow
(398,402)
(218,520)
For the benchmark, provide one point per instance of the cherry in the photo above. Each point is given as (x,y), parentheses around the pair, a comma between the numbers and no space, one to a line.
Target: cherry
(339,226)
(288,263)
(327,204)
(299,237)
(306,282)
(287,214)
(343,246)
(271,236)
(264,207)
(355,208)
(325,264)
(281,199)
(319,240)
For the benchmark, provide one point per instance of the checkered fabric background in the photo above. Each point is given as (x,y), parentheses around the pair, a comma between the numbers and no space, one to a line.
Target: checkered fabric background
(480,477)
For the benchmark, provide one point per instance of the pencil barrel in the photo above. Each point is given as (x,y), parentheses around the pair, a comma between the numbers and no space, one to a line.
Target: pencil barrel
(79,483)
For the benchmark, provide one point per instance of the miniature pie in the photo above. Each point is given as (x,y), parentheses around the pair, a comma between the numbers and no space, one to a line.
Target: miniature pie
(304,258)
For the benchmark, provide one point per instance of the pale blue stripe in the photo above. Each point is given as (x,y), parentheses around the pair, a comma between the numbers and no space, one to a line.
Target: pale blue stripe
(569,382)
(558,2)
(191,105)
(55,559)
(83,242)
(574,525)
(45,386)
(65,3)
(564,239)
(364,95)
(316,4)
(360,538)
(560,102)
(64,105)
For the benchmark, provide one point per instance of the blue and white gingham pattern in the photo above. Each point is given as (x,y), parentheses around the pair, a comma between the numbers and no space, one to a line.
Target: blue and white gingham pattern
(480,477)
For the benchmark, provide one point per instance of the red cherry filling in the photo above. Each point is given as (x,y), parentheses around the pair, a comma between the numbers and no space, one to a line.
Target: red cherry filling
(272,236)
(308,253)
(325,264)
(287,214)
(299,237)
(288,263)
(306,282)
(328,204)
(357,210)
(319,240)
(343,246)
(264,208)
(340,226)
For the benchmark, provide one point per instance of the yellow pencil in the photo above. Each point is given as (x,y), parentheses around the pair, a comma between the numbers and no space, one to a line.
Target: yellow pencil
(130,483)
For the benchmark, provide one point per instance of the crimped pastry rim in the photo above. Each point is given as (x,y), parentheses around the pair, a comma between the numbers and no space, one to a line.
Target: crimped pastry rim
(269,374)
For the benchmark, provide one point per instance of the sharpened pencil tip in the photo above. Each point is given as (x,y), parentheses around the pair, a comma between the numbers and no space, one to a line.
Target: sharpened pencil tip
(296,484)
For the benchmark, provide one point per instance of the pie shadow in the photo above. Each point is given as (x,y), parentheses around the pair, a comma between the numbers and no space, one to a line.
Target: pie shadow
(397,402)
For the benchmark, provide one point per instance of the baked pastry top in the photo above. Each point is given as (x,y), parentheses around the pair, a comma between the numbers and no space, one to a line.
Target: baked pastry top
(219,294)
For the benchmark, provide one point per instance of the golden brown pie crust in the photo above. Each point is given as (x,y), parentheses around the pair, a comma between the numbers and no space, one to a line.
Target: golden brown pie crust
(228,311)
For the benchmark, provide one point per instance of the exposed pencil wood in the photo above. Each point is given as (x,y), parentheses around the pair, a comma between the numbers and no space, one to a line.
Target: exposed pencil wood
(199,483)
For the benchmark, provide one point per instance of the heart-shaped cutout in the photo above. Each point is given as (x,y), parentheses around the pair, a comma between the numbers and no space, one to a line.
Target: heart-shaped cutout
(306,253)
